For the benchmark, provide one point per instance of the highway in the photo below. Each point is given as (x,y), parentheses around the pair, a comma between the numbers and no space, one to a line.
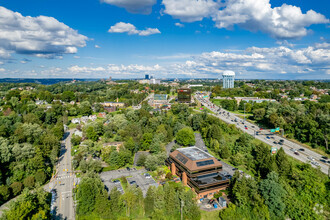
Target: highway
(63,182)
(295,150)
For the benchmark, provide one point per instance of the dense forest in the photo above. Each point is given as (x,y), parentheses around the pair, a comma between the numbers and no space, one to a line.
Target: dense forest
(277,187)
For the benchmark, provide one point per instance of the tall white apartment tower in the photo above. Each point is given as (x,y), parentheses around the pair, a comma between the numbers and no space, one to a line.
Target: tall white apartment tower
(228,79)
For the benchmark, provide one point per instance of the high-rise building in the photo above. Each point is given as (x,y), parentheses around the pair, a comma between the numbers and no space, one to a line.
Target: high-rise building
(147,76)
(228,79)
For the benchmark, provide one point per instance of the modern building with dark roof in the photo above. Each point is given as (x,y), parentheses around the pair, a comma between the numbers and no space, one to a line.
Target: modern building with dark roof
(199,170)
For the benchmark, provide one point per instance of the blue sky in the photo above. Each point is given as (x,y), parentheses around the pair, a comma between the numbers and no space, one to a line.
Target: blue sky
(168,38)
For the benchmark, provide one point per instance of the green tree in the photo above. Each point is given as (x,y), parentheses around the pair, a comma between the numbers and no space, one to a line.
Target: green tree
(29,182)
(273,193)
(16,188)
(283,164)
(185,137)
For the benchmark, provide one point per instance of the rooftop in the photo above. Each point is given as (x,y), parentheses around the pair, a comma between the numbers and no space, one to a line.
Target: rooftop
(194,153)
(160,97)
(228,73)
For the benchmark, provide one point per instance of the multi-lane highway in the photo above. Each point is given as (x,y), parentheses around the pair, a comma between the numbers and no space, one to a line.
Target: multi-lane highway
(295,150)
(63,182)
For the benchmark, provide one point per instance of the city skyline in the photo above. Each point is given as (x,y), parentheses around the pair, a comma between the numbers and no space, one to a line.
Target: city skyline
(96,39)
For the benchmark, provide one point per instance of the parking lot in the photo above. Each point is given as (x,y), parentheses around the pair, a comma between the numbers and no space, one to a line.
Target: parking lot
(135,175)
(109,185)
(143,182)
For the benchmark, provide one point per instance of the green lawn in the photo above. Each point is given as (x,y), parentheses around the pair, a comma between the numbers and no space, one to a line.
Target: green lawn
(210,215)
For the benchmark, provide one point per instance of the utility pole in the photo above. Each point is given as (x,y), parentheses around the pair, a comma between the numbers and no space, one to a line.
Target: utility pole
(182,204)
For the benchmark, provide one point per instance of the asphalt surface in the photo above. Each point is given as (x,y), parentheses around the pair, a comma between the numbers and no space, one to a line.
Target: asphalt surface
(305,155)
(134,175)
(63,182)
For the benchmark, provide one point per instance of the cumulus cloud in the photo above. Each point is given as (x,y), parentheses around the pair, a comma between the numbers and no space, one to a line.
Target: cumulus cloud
(97,46)
(2,70)
(284,22)
(41,36)
(190,10)
(134,6)
(122,27)
(254,62)
(179,25)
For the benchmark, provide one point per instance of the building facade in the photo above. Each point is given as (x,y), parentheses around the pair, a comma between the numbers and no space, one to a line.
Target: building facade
(184,95)
(228,78)
(198,170)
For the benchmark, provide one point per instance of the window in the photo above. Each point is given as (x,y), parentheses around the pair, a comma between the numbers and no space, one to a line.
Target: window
(204,163)
(181,159)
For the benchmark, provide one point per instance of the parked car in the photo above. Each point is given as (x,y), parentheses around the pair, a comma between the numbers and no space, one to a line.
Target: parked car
(147,175)
(296,153)
(267,137)
(324,157)
(301,149)
(127,168)
(116,181)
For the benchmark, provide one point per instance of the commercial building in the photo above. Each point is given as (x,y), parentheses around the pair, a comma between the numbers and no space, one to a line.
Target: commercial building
(154,81)
(159,100)
(147,76)
(228,79)
(184,95)
(199,170)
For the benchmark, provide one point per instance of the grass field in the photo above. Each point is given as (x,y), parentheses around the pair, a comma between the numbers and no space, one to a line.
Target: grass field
(210,215)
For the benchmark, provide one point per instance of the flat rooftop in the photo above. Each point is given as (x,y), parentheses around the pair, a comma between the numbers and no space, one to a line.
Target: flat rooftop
(194,153)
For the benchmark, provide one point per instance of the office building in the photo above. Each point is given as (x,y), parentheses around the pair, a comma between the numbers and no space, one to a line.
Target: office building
(184,95)
(228,79)
(199,170)
(147,76)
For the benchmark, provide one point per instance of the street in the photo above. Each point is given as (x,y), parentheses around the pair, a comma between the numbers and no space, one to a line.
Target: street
(297,151)
(63,182)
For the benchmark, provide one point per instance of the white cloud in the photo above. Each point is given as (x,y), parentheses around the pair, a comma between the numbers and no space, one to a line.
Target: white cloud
(190,10)
(78,69)
(2,70)
(97,46)
(40,36)
(284,22)
(76,57)
(133,6)
(122,27)
(179,24)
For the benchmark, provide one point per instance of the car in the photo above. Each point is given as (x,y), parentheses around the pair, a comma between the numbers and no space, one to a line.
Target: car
(235,168)
(272,137)
(310,158)
(296,153)
(323,161)
(147,175)
(315,163)
(252,126)
(132,182)
(116,181)
(282,140)
(324,157)
(267,137)
(128,169)
(293,150)
(301,149)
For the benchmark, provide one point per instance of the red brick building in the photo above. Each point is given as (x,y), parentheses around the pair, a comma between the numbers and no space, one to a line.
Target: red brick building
(199,170)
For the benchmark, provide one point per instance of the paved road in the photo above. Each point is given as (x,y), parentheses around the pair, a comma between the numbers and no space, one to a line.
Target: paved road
(288,146)
(63,182)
